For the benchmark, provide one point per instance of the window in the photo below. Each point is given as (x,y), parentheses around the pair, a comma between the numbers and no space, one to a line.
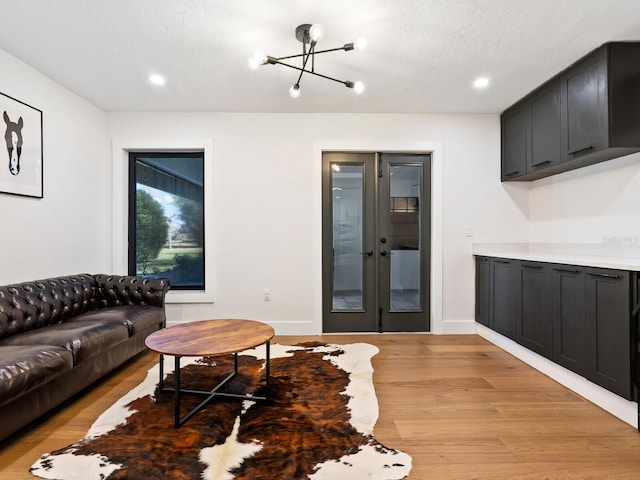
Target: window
(166,217)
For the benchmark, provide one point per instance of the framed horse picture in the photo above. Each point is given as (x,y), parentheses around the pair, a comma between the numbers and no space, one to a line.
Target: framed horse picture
(21,160)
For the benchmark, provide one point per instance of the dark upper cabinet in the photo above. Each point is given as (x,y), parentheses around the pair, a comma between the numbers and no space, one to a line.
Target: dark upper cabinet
(482,290)
(530,140)
(600,96)
(569,324)
(586,114)
(584,106)
(544,143)
(514,124)
(533,309)
(502,306)
(609,346)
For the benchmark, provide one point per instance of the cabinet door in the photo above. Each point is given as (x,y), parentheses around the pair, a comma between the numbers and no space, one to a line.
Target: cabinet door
(544,132)
(482,290)
(569,324)
(514,125)
(502,307)
(533,310)
(584,118)
(608,314)
(635,331)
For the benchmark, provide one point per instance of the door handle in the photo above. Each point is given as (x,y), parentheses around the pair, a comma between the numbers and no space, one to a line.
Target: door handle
(580,150)
(562,270)
(604,275)
(368,253)
(540,163)
(512,173)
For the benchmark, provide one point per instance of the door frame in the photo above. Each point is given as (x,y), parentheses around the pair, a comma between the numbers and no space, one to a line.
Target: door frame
(437,204)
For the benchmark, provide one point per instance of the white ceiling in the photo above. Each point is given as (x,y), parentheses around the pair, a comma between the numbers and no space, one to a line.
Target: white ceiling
(422,55)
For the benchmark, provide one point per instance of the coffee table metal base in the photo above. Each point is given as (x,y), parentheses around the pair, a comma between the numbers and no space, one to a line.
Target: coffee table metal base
(210,394)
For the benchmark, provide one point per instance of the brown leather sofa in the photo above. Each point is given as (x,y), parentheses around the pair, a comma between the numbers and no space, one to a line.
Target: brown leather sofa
(59,335)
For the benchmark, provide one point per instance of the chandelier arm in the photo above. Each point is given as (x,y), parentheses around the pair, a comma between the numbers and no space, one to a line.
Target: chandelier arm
(315,53)
(337,49)
(306,59)
(343,82)
(302,70)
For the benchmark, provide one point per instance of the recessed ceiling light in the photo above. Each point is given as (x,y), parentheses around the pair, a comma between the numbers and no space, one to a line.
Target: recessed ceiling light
(157,79)
(481,82)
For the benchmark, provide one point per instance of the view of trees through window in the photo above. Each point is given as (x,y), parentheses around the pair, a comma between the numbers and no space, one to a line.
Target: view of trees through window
(166,217)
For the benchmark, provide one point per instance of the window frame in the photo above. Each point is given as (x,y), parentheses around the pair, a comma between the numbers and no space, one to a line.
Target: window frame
(120,149)
(132,215)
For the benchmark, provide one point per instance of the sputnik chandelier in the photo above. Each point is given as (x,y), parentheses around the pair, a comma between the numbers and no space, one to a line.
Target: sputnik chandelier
(309,35)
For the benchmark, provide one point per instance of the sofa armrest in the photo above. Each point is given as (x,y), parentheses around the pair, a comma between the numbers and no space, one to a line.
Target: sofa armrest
(116,290)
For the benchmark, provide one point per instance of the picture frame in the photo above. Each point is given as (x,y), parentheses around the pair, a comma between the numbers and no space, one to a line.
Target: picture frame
(21,156)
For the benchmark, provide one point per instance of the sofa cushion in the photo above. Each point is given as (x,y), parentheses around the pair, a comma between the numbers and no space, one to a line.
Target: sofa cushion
(23,368)
(83,339)
(137,318)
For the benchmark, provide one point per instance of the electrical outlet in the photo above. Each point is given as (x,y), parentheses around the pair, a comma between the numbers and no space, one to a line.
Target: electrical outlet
(267,295)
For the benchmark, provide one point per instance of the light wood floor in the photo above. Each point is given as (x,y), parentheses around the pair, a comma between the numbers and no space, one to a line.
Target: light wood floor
(461,407)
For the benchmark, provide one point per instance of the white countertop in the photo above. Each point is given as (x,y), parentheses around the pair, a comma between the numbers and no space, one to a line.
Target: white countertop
(599,256)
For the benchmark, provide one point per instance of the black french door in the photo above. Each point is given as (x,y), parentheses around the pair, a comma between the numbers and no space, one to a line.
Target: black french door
(376,242)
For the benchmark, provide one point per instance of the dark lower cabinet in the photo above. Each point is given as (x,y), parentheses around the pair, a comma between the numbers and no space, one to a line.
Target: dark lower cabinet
(608,308)
(582,318)
(502,306)
(482,290)
(569,324)
(533,309)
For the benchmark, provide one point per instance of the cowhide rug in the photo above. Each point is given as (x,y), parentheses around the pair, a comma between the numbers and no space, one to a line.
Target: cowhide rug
(317,424)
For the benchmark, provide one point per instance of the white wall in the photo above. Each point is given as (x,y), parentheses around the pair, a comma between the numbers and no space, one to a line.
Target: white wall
(599,204)
(265,220)
(266,204)
(63,233)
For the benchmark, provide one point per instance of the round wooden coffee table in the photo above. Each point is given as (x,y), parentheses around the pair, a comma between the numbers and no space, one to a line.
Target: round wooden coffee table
(209,338)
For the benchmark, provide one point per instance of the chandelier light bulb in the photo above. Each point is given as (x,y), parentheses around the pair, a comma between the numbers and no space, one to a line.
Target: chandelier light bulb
(360,43)
(316,32)
(256,60)
(358,87)
(294,91)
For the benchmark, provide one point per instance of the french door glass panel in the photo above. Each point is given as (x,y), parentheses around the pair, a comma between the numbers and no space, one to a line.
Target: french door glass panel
(404,237)
(347,189)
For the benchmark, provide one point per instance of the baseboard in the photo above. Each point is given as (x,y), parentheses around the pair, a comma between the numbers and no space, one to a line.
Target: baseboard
(282,327)
(458,327)
(623,409)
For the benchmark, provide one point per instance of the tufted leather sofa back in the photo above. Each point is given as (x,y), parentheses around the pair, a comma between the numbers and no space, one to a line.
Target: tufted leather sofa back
(30,305)
(114,290)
